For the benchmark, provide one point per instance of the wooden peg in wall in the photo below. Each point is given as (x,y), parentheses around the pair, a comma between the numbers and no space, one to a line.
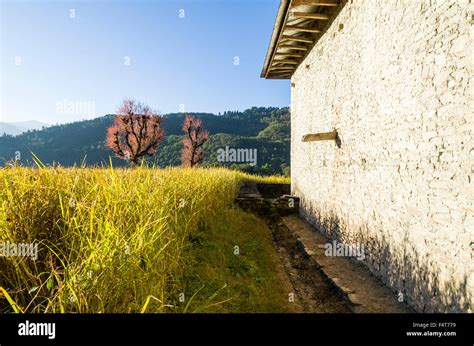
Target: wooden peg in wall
(322,136)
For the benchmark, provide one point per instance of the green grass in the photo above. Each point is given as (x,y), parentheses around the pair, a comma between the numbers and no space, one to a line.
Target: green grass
(132,240)
(234,265)
(273,179)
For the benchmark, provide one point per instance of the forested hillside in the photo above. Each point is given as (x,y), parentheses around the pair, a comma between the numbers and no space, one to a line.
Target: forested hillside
(265,131)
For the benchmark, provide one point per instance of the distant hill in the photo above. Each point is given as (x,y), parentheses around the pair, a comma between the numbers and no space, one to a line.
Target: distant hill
(265,129)
(16,128)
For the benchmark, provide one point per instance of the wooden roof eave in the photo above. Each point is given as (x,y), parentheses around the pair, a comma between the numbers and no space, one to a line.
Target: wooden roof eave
(295,32)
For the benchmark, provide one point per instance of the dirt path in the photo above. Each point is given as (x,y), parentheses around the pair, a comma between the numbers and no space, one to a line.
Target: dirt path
(297,273)
(312,291)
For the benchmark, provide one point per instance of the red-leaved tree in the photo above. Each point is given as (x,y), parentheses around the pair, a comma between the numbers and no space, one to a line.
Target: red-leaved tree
(195,136)
(136,132)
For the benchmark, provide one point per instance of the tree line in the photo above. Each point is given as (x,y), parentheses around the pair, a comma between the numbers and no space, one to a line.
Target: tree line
(266,129)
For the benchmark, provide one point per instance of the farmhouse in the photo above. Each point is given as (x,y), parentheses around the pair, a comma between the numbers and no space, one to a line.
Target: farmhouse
(382,136)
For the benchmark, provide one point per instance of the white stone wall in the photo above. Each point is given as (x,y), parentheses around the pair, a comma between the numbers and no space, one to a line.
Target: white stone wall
(395,78)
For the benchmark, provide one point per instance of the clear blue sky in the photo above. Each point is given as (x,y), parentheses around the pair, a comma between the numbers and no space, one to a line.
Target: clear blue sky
(57,69)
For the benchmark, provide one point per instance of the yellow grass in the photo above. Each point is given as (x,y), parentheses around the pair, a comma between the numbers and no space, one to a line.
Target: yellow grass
(110,240)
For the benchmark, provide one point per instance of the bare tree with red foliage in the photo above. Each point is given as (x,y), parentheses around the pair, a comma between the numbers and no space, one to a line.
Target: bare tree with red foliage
(195,136)
(137,131)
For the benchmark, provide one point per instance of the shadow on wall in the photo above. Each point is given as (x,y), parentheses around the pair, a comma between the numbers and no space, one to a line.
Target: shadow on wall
(403,269)
(338,141)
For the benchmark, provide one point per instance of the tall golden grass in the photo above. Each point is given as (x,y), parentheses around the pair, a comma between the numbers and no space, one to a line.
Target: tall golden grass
(109,240)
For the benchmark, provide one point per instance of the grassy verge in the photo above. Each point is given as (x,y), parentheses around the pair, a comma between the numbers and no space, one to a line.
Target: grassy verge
(273,179)
(233,268)
(121,240)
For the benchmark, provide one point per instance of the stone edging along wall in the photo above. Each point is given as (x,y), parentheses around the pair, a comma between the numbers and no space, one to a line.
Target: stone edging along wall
(396,80)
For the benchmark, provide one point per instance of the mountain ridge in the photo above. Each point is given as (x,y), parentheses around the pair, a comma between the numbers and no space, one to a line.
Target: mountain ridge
(265,129)
(18,127)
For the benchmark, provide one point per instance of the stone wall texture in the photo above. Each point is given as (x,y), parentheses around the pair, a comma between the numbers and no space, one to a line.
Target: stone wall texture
(395,78)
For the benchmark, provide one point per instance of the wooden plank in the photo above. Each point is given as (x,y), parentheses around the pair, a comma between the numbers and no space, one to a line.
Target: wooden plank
(285,62)
(328,3)
(288,68)
(315,16)
(278,74)
(302,28)
(286,74)
(290,46)
(322,136)
(295,38)
(279,77)
(294,55)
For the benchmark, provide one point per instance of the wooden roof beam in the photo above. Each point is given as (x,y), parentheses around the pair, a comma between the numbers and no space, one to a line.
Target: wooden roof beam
(290,46)
(328,3)
(285,62)
(315,16)
(286,68)
(293,55)
(302,28)
(286,76)
(295,38)
(280,73)
(291,62)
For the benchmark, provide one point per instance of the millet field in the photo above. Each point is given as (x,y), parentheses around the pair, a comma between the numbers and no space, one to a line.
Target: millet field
(134,240)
